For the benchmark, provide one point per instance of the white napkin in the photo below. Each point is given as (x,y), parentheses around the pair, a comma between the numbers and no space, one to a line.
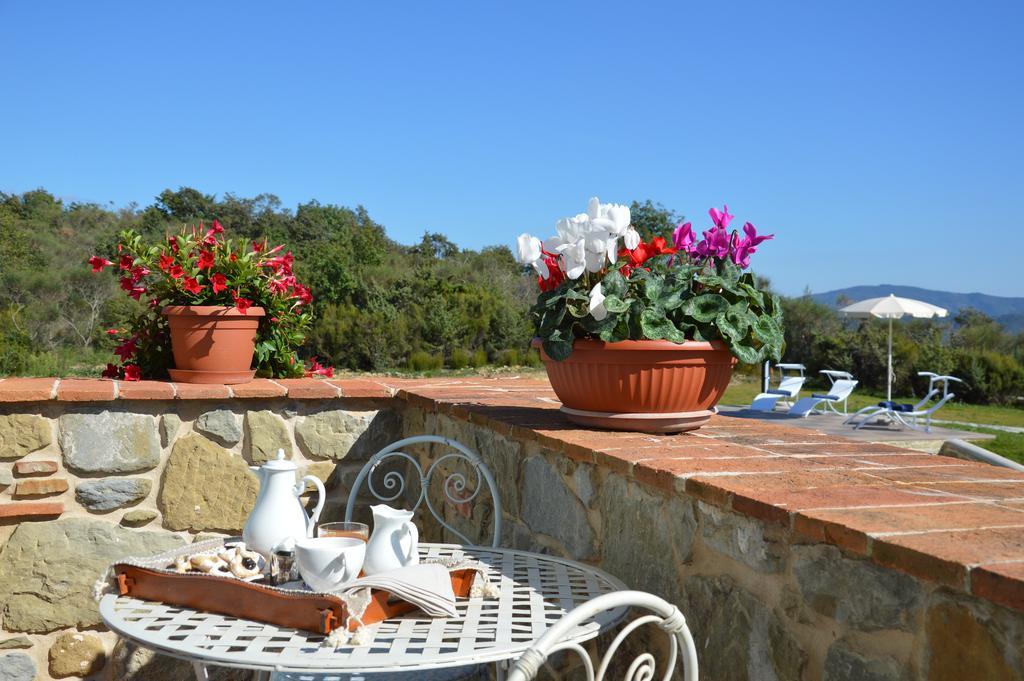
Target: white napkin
(428,586)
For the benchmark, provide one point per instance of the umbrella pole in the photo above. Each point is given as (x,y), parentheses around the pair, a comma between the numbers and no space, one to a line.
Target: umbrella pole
(888,387)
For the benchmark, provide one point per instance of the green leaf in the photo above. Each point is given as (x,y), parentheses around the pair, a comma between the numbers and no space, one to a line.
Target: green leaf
(705,308)
(654,288)
(614,284)
(615,304)
(745,353)
(558,350)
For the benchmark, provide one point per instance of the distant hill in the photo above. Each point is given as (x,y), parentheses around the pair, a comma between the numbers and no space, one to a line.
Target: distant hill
(1008,311)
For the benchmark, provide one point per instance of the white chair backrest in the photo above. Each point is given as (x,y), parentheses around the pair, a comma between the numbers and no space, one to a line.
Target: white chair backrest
(926,399)
(792,385)
(842,388)
(938,405)
(454,485)
(658,612)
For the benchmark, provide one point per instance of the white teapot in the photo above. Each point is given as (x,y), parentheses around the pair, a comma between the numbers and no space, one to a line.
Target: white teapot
(278,515)
(394,543)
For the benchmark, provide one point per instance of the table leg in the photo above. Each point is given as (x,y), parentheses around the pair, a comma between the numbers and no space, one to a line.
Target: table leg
(200,669)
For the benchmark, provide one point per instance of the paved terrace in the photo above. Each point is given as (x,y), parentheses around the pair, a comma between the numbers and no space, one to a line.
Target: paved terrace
(951,522)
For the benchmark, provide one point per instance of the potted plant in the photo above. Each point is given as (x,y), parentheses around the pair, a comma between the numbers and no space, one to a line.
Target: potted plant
(642,335)
(223,309)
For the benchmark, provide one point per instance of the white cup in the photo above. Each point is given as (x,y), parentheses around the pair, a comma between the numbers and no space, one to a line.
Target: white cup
(325,563)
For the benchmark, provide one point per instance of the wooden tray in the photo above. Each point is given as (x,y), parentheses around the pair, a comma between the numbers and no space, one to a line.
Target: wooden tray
(247,600)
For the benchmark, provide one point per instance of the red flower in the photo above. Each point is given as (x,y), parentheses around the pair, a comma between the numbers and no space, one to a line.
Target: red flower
(274,320)
(138,272)
(137,292)
(131,372)
(282,263)
(126,350)
(111,371)
(661,247)
(112,332)
(165,262)
(127,261)
(317,369)
(173,241)
(257,246)
(243,304)
(98,263)
(277,285)
(205,260)
(555,275)
(127,284)
(220,282)
(303,294)
(233,257)
(192,286)
(176,272)
(217,229)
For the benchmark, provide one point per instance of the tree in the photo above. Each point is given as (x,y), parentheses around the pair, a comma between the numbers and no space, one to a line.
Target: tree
(653,219)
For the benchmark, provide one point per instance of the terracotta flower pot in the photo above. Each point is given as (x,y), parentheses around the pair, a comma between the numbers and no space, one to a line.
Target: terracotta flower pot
(212,343)
(650,386)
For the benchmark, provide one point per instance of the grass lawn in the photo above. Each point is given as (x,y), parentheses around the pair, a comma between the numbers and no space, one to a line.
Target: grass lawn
(743,389)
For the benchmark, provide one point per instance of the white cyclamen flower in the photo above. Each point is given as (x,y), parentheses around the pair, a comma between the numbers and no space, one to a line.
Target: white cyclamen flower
(596,306)
(631,238)
(529,252)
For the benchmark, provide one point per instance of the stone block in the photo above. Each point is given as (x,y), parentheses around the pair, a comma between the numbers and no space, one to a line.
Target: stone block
(31,510)
(205,487)
(740,636)
(35,467)
(15,642)
(47,570)
(169,426)
(747,540)
(855,592)
(76,655)
(138,518)
(550,507)
(266,433)
(338,434)
(970,639)
(21,434)
(6,478)
(220,425)
(17,667)
(842,663)
(109,442)
(636,523)
(110,493)
(40,487)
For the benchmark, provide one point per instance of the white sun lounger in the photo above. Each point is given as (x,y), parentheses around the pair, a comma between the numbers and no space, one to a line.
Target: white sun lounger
(906,414)
(843,384)
(789,388)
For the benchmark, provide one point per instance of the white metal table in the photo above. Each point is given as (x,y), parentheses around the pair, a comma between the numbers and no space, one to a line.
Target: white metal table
(535,591)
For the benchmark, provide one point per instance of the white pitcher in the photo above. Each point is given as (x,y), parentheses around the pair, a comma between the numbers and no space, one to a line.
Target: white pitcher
(278,515)
(394,543)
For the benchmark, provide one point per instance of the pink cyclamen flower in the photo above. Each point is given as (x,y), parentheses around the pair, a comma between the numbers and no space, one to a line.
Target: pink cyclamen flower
(715,244)
(743,248)
(683,238)
(721,218)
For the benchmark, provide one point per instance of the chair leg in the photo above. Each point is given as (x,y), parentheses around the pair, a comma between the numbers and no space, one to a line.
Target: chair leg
(200,670)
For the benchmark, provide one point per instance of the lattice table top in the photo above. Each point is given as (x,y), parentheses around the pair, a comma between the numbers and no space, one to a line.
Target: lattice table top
(536,591)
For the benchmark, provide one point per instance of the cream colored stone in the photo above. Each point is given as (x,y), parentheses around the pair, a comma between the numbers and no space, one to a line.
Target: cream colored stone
(21,434)
(266,433)
(76,655)
(205,487)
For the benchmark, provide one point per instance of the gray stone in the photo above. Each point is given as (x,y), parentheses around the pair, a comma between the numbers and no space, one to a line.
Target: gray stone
(169,425)
(756,544)
(109,442)
(47,570)
(138,518)
(968,638)
(21,434)
(550,508)
(6,478)
(844,664)
(17,667)
(205,487)
(856,592)
(504,457)
(110,493)
(15,642)
(132,663)
(636,523)
(331,434)
(76,654)
(266,433)
(741,637)
(220,425)
(581,478)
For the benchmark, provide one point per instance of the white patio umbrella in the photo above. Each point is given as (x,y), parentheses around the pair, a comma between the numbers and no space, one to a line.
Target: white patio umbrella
(890,307)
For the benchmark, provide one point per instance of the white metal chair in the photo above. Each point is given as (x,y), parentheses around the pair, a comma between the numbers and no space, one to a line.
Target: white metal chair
(908,414)
(393,482)
(839,392)
(659,613)
(789,388)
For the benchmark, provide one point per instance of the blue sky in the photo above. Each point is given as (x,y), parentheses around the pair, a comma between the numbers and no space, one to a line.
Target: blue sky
(879,141)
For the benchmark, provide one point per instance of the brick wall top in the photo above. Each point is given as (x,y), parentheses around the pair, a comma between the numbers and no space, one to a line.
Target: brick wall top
(949,521)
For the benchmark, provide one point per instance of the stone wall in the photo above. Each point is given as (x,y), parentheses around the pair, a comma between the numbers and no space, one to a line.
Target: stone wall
(763,603)
(86,483)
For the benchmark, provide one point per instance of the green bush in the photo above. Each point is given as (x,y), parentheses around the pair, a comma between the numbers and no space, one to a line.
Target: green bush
(478,359)
(460,359)
(533,358)
(509,358)
(424,361)
(991,377)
